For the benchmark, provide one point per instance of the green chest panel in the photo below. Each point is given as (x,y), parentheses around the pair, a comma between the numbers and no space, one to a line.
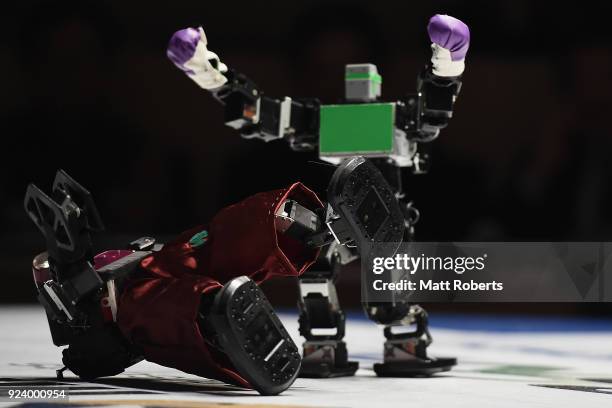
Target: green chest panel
(356,129)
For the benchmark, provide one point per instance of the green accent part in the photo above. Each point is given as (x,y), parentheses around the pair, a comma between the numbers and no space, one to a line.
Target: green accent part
(357,129)
(199,239)
(352,76)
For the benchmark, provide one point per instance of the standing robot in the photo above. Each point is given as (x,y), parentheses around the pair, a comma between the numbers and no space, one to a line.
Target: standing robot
(389,133)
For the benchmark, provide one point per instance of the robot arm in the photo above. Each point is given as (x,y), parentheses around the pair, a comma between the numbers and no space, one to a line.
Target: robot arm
(247,110)
(257,116)
(67,229)
(423,115)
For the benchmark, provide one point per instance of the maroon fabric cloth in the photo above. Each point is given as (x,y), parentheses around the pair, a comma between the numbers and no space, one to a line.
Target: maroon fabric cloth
(159,305)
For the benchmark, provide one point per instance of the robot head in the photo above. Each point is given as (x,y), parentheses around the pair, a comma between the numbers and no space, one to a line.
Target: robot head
(362,83)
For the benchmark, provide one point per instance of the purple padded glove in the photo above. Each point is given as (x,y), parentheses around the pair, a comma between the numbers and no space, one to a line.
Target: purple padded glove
(451,34)
(187,50)
(182,47)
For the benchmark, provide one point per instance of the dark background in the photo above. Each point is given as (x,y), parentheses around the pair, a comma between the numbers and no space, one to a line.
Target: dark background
(86,86)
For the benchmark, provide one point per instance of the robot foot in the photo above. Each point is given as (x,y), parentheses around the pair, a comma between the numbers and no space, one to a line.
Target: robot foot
(359,193)
(405,353)
(325,370)
(327,359)
(414,368)
(253,337)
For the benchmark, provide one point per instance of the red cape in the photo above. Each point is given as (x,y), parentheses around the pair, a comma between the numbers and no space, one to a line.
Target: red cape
(159,306)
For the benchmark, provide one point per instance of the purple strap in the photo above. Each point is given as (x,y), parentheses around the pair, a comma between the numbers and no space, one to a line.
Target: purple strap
(450,33)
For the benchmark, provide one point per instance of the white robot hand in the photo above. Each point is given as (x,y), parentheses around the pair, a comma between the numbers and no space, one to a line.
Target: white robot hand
(187,50)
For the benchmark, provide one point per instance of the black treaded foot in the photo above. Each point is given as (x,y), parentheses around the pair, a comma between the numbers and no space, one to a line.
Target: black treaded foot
(253,337)
(414,368)
(327,370)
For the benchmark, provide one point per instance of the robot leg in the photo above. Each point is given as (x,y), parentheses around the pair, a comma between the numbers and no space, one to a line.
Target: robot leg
(325,354)
(78,297)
